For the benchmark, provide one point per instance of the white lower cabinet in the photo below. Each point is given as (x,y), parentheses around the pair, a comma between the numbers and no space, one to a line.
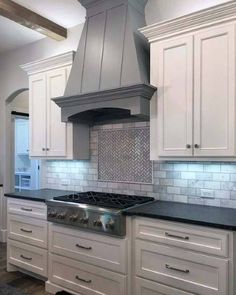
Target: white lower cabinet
(27,243)
(180,268)
(85,278)
(86,263)
(30,258)
(178,259)
(145,287)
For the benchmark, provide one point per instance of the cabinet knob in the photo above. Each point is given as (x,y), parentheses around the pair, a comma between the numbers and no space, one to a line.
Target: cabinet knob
(43,149)
(47,149)
(197,146)
(188,146)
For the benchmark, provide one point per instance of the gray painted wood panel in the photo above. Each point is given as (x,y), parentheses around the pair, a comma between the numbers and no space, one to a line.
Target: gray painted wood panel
(93,53)
(113,47)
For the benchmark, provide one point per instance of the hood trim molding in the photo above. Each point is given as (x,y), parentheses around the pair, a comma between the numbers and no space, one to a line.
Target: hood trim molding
(134,98)
(143,90)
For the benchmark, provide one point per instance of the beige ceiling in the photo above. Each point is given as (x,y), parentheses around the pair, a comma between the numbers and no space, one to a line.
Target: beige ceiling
(67,13)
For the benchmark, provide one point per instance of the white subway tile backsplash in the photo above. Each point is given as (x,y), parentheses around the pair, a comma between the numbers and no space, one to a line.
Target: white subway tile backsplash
(196,183)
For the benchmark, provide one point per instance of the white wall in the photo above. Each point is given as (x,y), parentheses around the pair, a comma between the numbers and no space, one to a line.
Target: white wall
(160,10)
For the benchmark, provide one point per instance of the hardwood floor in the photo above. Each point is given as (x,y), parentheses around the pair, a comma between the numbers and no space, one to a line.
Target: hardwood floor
(29,285)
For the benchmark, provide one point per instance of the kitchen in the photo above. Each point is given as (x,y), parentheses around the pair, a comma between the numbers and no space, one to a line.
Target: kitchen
(132,114)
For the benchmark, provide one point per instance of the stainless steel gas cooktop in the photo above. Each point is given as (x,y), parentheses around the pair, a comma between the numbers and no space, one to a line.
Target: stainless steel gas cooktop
(96,211)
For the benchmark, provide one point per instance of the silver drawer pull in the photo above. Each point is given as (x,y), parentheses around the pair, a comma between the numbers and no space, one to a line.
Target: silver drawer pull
(177,269)
(26,258)
(83,247)
(176,237)
(26,230)
(83,280)
(26,209)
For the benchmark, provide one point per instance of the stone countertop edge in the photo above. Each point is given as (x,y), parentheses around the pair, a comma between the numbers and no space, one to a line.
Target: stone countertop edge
(41,195)
(202,215)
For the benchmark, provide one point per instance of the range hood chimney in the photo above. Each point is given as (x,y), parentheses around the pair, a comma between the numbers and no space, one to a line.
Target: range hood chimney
(109,80)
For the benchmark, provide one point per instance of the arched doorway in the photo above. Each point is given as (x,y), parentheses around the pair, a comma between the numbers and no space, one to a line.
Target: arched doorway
(23,171)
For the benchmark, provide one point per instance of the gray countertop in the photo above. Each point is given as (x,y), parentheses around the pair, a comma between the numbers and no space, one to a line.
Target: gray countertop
(224,218)
(41,195)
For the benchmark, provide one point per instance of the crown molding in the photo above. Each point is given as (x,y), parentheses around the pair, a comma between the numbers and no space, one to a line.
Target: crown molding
(198,20)
(64,59)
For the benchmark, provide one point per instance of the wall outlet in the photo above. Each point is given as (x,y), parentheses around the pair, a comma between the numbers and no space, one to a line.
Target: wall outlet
(207,193)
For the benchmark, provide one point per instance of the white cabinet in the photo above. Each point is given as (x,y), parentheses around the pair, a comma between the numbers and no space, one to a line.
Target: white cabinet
(193,66)
(48,133)
(87,262)
(174,258)
(49,136)
(175,95)
(27,243)
(22,137)
(37,104)
(214,91)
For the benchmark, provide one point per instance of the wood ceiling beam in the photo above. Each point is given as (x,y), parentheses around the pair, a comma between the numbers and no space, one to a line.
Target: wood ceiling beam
(32,20)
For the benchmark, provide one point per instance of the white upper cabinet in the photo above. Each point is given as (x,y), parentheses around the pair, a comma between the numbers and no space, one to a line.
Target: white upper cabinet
(49,136)
(193,66)
(56,130)
(175,96)
(214,92)
(37,118)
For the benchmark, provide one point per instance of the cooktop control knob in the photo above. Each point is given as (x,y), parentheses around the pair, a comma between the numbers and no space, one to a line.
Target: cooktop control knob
(97,222)
(110,224)
(52,214)
(73,218)
(84,220)
(61,215)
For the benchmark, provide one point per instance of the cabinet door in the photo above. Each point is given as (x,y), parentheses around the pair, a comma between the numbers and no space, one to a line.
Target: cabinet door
(37,118)
(22,137)
(214,101)
(175,96)
(56,130)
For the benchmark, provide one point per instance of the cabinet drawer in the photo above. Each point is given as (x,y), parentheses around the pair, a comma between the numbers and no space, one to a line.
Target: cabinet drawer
(30,258)
(106,252)
(28,230)
(144,287)
(85,279)
(27,208)
(181,269)
(201,239)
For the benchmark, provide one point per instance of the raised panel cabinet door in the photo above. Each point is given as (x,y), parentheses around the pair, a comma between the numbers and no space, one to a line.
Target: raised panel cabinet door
(214,94)
(174,62)
(56,129)
(38,115)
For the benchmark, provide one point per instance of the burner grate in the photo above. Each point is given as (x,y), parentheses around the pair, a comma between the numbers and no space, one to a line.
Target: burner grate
(107,200)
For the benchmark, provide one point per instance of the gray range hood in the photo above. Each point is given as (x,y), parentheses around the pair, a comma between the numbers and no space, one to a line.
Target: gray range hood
(109,80)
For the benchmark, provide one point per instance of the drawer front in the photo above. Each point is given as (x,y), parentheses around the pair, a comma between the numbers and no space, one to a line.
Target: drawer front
(181,269)
(30,258)
(201,239)
(85,279)
(106,252)
(28,230)
(27,208)
(144,287)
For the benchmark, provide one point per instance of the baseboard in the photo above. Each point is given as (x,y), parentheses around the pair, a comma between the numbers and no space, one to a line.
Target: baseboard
(3,235)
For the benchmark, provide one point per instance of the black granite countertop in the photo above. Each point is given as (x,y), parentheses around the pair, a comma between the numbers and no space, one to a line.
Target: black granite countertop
(218,217)
(41,195)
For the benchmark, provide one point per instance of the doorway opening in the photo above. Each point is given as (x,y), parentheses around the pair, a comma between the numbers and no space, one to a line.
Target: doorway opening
(25,172)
